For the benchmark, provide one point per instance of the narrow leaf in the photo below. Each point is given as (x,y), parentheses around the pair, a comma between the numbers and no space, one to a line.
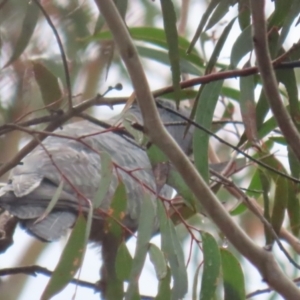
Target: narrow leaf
(172,249)
(106,178)
(145,231)
(242,45)
(52,202)
(164,287)
(49,86)
(28,26)
(248,106)
(159,261)
(117,211)
(280,203)
(123,263)
(211,6)
(169,19)
(70,260)
(220,11)
(204,116)
(219,46)
(233,277)
(211,268)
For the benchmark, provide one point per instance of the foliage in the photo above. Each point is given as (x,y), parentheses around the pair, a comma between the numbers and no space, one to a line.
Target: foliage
(205,56)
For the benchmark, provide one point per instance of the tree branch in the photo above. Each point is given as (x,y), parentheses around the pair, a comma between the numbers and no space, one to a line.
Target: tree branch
(270,84)
(263,260)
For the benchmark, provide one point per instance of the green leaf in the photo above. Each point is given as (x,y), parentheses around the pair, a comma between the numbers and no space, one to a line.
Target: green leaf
(288,78)
(238,210)
(204,115)
(145,231)
(164,287)
(210,7)
(52,202)
(106,178)
(211,268)
(176,181)
(117,211)
(242,45)
(48,83)
(244,13)
(282,8)
(123,263)
(169,19)
(159,262)
(280,203)
(70,260)
(162,57)
(220,11)
(233,277)
(288,21)
(293,207)
(195,283)
(219,46)
(248,106)
(172,249)
(293,163)
(156,37)
(28,26)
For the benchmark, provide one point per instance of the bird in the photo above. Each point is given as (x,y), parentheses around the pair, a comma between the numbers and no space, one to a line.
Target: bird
(71,155)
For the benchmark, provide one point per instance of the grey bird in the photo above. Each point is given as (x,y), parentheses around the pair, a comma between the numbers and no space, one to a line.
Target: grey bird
(72,155)
(32,184)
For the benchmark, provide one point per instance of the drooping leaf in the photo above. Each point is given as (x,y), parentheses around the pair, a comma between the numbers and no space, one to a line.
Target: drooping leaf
(145,231)
(280,203)
(106,178)
(288,78)
(117,211)
(164,287)
(244,13)
(233,277)
(242,45)
(204,116)
(218,47)
(280,13)
(288,21)
(123,263)
(211,267)
(220,11)
(156,37)
(162,57)
(70,260)
(172,249)
(248,105)
(293,207)
(28,26)
(52,202)
(49,86)
(172,177)
(211,6)
(169,19)
(159,261)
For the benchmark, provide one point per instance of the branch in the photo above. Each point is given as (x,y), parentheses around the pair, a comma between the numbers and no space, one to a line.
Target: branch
(270,84)
(35,269)
(263,260)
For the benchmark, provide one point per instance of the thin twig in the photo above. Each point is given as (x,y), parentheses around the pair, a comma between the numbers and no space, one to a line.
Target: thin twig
(259,162)
(242,196)
(62,52)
